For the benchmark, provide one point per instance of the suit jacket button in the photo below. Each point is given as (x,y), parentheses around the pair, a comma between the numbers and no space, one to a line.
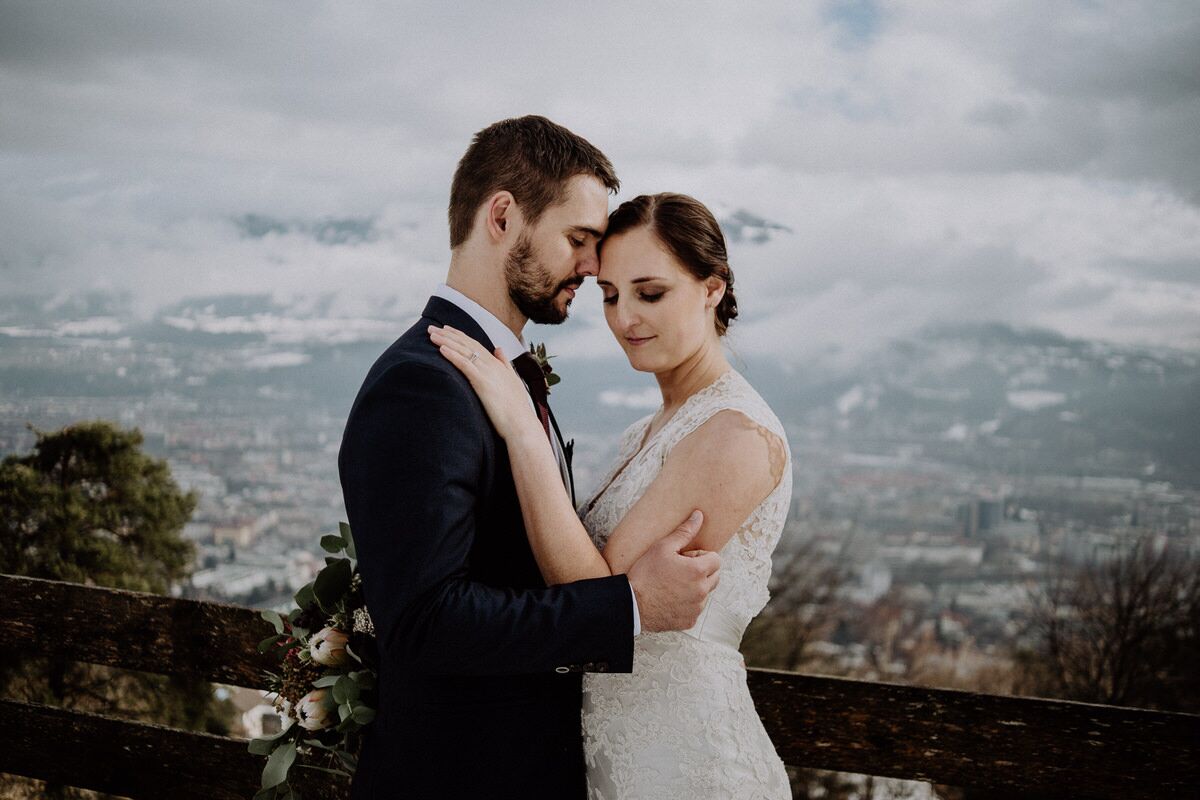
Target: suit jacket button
(562,670)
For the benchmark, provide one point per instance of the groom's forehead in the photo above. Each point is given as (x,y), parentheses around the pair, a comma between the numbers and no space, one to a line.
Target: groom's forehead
(584,205)
(587,230)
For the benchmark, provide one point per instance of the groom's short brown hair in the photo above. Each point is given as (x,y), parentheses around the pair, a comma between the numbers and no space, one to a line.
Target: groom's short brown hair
(532,158)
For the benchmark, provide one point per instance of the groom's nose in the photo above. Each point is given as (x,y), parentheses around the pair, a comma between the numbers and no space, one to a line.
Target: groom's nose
(589,263)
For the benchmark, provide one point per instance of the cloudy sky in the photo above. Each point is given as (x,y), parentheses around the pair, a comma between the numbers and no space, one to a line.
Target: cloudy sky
(1035,162)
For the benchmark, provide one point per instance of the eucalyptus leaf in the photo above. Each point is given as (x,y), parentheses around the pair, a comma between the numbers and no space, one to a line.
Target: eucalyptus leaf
(362,714)
(274,618)
(331,583)
(348,539)
(343,773)
(317,743)
(345,690)
(276,770)
(263,747)
(265,794)
(268,642)
(344,711)
(304,597)
(347,759)
(265,744)
(363,678)
(326,680)
(332,544)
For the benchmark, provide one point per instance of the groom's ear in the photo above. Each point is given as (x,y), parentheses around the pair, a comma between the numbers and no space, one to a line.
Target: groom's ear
(502,211)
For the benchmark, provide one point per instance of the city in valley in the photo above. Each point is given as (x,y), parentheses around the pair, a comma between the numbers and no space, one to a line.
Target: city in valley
(940,484)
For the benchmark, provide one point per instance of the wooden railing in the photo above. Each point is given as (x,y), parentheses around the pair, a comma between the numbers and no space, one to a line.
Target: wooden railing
(994,745)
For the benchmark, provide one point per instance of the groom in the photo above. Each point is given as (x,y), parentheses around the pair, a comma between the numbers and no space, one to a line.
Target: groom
(480,661)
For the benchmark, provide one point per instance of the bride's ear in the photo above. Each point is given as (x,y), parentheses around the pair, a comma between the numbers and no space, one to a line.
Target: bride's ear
(715,290)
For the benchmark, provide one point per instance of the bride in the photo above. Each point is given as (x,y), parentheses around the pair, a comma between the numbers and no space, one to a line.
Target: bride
(682,724)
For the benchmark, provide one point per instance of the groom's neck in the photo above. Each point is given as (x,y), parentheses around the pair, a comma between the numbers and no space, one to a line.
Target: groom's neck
(486,287)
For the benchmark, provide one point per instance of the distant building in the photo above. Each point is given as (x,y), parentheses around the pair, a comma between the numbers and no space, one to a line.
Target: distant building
(979,515)
(256,717)
(931,555)
(239,533)
(242,531)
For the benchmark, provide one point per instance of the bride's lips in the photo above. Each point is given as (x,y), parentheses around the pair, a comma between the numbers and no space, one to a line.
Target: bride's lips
(635,342)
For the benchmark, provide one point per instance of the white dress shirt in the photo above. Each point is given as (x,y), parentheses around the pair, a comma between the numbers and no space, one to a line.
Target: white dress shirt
(503,337)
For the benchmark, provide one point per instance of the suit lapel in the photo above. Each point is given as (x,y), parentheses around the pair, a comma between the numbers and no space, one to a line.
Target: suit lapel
(568,449)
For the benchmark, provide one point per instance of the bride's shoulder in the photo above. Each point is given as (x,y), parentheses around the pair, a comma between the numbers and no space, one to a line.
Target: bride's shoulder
(735,393)
(737,461)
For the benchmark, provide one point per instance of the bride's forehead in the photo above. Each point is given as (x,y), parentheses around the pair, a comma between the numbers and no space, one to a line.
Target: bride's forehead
(634,254)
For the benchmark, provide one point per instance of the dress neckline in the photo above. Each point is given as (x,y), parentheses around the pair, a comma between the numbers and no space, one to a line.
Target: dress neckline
(646,441)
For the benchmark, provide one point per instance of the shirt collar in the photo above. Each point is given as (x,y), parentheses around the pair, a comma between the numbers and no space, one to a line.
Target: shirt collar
(500,334)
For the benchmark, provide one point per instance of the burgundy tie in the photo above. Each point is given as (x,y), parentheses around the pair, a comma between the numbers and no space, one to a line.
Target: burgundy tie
(531,372)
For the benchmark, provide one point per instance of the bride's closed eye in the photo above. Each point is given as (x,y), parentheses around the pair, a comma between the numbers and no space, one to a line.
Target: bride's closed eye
(648,297)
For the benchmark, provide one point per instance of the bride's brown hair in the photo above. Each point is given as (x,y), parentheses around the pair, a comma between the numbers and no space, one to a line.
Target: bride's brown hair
(690,232)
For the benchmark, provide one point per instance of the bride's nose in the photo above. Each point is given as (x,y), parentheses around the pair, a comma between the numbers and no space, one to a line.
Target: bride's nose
(627,316)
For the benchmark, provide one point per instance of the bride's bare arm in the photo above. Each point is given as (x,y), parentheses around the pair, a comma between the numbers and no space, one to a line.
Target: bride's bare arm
(725,468)
(561,545)
(728,465)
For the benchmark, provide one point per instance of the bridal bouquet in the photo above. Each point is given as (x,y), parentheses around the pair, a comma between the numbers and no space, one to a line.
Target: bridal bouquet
(325,687)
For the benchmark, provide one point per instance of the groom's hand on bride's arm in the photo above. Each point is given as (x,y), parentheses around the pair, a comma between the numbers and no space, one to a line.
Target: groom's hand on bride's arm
(671,584)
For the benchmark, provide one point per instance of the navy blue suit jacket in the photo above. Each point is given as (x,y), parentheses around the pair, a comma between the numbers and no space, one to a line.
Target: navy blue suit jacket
(480,662)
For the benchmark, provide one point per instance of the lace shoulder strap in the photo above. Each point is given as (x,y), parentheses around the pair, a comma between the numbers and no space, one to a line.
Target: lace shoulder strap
(729,392)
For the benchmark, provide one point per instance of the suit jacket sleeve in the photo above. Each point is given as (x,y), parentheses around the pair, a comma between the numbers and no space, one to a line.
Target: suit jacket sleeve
(412,463)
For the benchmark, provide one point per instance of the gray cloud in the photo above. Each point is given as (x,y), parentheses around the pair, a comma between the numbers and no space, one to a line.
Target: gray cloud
(928,162)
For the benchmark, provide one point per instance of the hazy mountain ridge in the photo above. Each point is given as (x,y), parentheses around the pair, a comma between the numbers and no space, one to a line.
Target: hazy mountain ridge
(986,394)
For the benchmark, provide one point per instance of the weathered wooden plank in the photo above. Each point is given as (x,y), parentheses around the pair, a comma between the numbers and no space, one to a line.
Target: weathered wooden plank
(135,630)
(1015,744)
(1002,744)
(136,760)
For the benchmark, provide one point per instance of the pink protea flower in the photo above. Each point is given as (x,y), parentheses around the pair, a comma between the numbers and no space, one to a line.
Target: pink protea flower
(316,710)
(328,647)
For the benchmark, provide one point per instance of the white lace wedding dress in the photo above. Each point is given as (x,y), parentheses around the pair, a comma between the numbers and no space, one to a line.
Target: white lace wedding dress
(682,724)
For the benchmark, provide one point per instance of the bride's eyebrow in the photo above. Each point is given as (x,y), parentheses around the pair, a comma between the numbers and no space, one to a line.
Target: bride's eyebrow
(602,282)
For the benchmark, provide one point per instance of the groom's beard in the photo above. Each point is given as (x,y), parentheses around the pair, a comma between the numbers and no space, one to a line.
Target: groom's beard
(532,287)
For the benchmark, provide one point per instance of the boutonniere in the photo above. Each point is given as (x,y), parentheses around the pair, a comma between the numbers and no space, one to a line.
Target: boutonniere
(543,359)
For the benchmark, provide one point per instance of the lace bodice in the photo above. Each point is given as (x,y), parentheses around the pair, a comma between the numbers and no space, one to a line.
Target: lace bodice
(683,723)
(746,560)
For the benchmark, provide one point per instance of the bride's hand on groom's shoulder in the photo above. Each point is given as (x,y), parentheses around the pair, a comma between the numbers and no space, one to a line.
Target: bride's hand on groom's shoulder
(498,385)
